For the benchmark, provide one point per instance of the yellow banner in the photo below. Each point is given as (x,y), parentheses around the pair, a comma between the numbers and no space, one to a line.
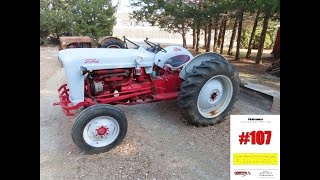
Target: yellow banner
(255,158)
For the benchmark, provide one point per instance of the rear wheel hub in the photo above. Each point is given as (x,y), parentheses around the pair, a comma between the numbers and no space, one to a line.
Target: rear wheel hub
(215,96)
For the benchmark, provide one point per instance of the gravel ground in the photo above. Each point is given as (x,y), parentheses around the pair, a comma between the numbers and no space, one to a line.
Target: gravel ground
(158,145)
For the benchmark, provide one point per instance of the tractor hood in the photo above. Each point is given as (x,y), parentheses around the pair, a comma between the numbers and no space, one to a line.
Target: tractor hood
(100,58)
(105,58)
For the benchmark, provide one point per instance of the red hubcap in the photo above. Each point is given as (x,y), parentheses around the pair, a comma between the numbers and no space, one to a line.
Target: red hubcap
(102,130)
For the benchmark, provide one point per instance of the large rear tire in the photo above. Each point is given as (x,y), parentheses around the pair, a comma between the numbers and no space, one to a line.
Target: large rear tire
(99,128)
(113,44)
(208,94)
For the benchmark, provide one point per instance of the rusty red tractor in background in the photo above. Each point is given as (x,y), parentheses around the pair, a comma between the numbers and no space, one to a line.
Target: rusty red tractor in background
(67,42)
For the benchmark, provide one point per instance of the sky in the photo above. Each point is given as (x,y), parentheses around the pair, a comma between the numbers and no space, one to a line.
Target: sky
(123,5)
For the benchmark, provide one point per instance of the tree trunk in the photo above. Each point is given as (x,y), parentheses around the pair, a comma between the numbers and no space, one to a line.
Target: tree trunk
(233,35)
(184,41)
(239,36)
(209,37)
(219,36)
(194,35)
(215,38)
(276,46)
(255,24)
(262,37)
(198,27)
(223,34)
(205,36)
(198,37)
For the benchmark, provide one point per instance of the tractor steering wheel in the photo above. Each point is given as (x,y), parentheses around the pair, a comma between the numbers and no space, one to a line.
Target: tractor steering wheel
(161,49)
(154,46)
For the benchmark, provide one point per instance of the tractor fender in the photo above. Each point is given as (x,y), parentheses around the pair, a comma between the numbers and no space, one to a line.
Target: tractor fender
(161,57)
(197,61)
(104,39)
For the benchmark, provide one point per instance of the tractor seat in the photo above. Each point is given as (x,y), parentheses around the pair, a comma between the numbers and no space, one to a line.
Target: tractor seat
(177,62)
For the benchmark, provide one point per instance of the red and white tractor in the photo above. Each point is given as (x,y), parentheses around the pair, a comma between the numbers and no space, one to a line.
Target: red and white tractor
(206,86)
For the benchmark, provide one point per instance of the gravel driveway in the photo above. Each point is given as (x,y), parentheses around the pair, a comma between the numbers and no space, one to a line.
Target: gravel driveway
(158,145)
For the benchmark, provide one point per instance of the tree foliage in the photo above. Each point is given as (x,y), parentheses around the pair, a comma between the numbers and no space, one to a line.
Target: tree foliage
(94,18)
(270,36)
(171,15)
(271,10)
(182,15)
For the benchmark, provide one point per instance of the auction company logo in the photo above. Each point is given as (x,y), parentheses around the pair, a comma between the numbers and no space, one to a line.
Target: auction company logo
(266,174)
(243,173)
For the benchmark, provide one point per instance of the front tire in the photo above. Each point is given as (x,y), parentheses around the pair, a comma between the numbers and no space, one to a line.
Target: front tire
(99,128)
(209,92)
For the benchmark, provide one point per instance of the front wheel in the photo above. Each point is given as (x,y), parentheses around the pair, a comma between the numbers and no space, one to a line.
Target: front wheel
(209,92)
(99,128)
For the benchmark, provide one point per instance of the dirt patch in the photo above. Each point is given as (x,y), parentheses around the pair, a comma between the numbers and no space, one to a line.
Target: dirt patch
(49,64)
(255,73)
